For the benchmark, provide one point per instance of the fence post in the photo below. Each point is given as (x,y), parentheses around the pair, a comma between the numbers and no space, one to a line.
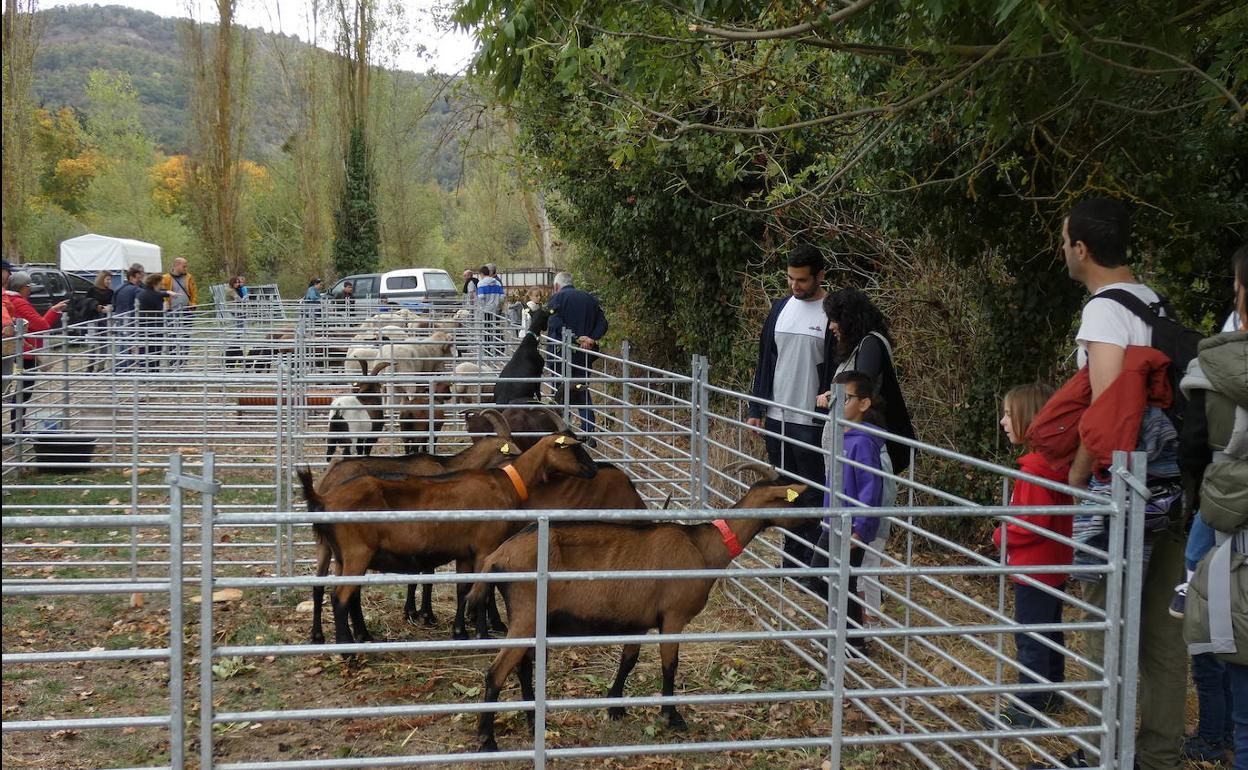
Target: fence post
(17,405)
(698,447)
(63,422)
(280,393)
(539,642)
(566,344)
(176,686)
(1115,590)
(835,646)
(626,396)
(205,620)
(843,529)
(1133,602)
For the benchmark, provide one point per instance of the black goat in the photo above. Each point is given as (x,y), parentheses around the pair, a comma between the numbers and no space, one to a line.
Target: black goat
(527,362)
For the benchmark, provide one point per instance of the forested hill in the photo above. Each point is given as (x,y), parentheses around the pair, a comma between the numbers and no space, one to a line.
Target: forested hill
(76,40)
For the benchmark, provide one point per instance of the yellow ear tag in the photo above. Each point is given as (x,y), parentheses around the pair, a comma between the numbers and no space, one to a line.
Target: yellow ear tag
(505,449)
(560,440)
(790,495)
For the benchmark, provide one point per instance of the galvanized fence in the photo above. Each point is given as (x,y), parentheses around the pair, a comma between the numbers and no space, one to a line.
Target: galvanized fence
(246,402)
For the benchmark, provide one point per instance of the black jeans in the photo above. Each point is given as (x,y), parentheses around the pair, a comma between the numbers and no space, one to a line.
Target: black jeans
(803,464)
(1031,606)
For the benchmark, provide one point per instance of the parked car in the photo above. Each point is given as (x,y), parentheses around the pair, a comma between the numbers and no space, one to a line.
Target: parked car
(49,285)
(366,286)
(417,284)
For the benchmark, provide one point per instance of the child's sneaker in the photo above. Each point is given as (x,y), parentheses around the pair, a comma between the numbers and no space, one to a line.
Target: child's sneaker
(1179,603)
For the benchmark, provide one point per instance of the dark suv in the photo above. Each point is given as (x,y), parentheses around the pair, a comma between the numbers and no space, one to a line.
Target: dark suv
(49,285)
(366,286)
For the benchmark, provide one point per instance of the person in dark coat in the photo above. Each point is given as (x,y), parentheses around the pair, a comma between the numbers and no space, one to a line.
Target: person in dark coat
(150,307)
(125,322)
(580,312)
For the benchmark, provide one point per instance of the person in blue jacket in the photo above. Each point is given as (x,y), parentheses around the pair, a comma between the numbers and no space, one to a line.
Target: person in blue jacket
(580,312)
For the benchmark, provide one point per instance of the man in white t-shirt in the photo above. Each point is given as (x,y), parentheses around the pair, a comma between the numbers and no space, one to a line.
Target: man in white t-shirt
(1095,238)
(789,370)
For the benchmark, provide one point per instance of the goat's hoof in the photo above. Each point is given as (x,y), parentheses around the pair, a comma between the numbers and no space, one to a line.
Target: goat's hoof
(489,744)
(429,620)
(459,633)
(616,712)
(318,639)
(676,722)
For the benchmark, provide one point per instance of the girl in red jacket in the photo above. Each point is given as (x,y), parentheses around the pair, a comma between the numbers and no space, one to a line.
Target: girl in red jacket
(1025,547)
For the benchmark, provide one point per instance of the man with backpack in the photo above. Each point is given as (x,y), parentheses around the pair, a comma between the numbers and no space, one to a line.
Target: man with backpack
(1123,313)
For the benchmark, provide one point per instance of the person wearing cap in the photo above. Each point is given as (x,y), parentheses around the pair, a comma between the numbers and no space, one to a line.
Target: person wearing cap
(17,298)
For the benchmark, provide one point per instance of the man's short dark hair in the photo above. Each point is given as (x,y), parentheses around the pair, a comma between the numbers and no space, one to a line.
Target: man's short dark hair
(806,255)
(1104,226)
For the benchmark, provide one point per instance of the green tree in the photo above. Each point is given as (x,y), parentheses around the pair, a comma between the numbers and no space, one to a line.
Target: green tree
(219,64)
(119,198)
(20,41)
(931,146)
(357,244)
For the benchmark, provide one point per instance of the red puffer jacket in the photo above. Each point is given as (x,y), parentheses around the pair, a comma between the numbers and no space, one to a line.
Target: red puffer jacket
(1110,423)
(1024,547)
(20,307)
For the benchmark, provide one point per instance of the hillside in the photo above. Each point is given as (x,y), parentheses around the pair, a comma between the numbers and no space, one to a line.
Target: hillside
(76,40)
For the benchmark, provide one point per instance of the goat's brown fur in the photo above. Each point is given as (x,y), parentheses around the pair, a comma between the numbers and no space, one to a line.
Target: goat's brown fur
(620,606)
(466,542)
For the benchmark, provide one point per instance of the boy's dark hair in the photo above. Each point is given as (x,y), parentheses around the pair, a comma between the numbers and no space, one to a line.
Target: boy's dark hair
(153,280)
(863,384)
(134,270)
(1104,226)
(806,255)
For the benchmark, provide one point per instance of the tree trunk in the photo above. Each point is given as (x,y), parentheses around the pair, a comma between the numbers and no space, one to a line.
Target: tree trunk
(20,39)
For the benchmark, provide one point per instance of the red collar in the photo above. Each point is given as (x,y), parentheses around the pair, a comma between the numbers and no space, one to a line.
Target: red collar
(730,538)
(517,482)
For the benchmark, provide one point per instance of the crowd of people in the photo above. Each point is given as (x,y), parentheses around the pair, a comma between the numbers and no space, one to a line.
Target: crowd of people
(1141,379)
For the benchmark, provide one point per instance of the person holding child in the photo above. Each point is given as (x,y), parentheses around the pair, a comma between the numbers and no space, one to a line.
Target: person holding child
(1037,597)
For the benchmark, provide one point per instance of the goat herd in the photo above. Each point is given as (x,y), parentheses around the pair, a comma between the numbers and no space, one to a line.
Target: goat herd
(523,456)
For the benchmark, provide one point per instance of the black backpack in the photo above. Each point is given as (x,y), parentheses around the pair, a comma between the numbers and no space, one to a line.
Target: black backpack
(1180,344)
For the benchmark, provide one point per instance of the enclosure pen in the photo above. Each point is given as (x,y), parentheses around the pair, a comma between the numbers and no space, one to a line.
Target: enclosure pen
(125,423)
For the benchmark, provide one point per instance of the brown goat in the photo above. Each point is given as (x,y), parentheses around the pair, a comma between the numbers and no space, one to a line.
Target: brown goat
(535,420)
(610,488)
(468,542)
(418,421)
(617,606)
(493,452)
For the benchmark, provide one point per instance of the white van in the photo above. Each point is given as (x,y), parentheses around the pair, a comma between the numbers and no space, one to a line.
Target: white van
(417,284)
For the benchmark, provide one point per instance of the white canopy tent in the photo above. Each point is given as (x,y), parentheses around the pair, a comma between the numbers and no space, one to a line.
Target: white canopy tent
(92,253)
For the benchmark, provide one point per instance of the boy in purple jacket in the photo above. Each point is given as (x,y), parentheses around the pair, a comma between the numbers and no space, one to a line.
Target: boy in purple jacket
(863,487)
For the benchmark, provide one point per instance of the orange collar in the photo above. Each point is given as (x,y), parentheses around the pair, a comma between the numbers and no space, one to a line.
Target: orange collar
(516,482)
(730,538)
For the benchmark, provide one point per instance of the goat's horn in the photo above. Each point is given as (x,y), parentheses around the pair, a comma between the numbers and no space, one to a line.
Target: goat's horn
(498,421)
(764,471)
(376,369)
(560,425)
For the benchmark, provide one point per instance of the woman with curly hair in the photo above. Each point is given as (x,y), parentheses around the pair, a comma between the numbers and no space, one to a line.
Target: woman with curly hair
(860,341)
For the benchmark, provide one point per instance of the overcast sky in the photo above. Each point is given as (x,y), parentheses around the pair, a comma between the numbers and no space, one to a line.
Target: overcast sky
(428,43)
